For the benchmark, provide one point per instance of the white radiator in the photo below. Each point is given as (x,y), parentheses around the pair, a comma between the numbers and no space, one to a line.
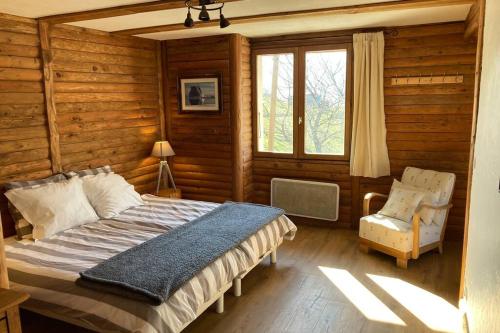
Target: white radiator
(305,198)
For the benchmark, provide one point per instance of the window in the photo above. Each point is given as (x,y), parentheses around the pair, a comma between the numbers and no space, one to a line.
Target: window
(303,102)
(275,108)
(324,107)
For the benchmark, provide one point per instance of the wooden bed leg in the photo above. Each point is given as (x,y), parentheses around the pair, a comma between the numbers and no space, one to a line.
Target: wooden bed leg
(402,263)
(440,248)
(237,287)
(273,257)
(219,306)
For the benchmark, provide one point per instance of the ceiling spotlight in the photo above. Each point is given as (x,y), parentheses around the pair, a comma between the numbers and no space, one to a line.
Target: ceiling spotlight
(205,6)
(224,22)
(189,23)
(204,14)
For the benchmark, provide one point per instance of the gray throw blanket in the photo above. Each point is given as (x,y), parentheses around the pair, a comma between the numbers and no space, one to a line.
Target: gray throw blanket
(152,271)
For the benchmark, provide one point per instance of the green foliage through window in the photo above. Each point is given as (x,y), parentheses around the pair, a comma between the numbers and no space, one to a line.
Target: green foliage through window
(275,108)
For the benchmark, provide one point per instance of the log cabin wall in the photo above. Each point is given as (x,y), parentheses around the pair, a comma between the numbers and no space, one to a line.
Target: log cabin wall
(108,111)
(208,165)
(428,126)
(246,133)
(107,103)
(24,139)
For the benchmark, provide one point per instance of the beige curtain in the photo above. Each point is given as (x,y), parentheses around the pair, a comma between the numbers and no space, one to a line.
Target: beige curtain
(369,156)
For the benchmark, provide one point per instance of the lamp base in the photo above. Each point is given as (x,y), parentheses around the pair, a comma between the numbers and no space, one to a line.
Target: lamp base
(163,174)
(170,193)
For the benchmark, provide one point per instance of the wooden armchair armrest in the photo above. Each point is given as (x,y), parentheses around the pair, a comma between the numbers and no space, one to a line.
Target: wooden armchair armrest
(437,207)
(415,252)
(368,198)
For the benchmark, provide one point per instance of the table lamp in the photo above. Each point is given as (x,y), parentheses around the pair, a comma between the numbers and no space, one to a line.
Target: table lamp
(162,149)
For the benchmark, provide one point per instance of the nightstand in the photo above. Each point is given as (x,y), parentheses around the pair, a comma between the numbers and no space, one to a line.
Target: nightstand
(10,322)
(170,193)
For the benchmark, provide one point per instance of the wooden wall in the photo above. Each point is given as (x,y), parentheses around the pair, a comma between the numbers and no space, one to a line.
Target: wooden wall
(204,165)
(429,126)
(246,114)
(24,143)
(107,103)
(108,111)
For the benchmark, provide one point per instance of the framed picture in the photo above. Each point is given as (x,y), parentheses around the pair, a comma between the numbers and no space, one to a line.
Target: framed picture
(200,94)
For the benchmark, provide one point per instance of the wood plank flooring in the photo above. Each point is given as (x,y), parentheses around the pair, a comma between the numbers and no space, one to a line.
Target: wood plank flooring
(323,283)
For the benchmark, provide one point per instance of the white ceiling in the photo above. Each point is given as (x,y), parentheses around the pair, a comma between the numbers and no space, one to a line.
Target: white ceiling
(318,22)
(39,8)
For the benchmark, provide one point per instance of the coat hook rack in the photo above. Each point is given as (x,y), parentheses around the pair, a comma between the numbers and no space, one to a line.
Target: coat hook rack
(427,79)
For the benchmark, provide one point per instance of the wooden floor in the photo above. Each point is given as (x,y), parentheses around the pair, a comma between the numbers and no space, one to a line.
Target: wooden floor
(323,283)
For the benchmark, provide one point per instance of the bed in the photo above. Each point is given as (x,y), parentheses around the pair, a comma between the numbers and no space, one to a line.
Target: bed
(48,268)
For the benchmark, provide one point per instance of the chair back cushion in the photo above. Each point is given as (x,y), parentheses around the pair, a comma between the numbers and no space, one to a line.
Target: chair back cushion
(432,181)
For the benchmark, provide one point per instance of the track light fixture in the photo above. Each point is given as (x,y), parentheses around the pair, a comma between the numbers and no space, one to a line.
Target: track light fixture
(204,6)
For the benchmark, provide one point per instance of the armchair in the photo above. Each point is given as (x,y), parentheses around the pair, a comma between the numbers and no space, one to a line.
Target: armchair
(405,240)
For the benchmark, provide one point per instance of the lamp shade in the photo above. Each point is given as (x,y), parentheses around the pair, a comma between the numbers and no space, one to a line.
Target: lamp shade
(162,149)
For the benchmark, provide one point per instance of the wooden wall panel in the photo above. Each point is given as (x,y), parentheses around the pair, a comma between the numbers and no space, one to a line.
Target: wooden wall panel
(107,102)
(213,159)
(24,141)
(246,118)
(107,106)
(203,165)
(429,126)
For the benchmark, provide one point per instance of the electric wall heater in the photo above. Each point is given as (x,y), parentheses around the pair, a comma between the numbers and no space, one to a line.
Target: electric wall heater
(306,198)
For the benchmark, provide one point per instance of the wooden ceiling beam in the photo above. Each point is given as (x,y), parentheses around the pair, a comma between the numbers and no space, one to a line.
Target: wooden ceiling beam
(117,11)
(354,9)
(472,23)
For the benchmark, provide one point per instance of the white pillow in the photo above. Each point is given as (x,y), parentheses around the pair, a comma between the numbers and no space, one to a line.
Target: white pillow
(402,203)
(431,198)
(110,194)
(54,207)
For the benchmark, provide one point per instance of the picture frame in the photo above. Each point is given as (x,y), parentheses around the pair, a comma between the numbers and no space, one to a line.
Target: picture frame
(200,93)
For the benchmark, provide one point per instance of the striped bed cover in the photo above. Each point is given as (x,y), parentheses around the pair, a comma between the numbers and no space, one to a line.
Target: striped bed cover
(47,269)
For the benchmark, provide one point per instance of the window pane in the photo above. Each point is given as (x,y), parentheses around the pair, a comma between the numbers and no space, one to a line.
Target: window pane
(325,91)
(275,103)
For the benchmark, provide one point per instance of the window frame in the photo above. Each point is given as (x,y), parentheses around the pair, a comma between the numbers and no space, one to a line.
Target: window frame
(299,53)
(255,116)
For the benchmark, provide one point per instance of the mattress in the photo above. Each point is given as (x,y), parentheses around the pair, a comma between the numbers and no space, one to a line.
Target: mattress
(47,269)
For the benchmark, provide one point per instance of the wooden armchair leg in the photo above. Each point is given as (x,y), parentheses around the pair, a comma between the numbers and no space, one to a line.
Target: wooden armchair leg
(364,248)
(440,248)
(402,263)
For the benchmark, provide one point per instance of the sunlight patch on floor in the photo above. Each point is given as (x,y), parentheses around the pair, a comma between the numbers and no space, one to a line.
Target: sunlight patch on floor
(432,310)
(367,303)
